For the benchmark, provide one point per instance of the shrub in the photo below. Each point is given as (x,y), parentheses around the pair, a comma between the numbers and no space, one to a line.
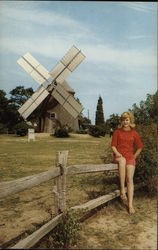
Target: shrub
(66,232)
(69,129)
(147,162)
(82,131)
(3,129)
(96,131)
(21,128)
(61,132)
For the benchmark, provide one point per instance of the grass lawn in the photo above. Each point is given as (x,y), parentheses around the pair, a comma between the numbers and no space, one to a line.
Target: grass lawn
(22,213)
(18,158)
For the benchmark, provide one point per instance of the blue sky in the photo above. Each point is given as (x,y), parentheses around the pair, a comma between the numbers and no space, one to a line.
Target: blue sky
(119,40)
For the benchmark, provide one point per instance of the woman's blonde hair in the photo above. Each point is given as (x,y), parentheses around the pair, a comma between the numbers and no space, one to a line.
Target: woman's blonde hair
(127,115)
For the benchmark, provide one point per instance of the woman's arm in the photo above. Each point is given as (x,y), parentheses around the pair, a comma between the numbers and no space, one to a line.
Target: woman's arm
(116,152)
(138,151)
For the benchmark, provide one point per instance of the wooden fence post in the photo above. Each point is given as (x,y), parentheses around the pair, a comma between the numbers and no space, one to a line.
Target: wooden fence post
(60,183)
(56,198)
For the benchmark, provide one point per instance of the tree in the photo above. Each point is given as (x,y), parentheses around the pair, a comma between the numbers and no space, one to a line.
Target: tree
(9,116)
(3,107)
(155,106)
(19,96)
(84,122)
(147,110)
(99,119)
(112,122)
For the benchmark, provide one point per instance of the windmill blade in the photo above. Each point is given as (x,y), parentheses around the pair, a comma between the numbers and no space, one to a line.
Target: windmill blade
(33,102)
(73,58)
(34,68)
(67,101)
(67,64)
(51,82)
(73,107)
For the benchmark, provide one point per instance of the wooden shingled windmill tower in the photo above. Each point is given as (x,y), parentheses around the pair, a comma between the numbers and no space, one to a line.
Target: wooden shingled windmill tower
(54,98)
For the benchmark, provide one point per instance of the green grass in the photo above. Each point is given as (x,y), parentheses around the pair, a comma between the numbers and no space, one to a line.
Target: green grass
(18,158)
(28,209)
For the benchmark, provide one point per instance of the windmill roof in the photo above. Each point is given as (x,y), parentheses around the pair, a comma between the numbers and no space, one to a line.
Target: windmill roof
(67,87)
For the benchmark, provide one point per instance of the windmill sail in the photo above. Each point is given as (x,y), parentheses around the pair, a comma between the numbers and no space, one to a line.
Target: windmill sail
(51,82)
(41,75)
(34,68)
(67,64)
(33,102)
(67,101)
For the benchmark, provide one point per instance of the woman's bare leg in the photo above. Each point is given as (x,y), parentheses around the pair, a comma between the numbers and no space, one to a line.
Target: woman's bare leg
(130,169)
(122,173)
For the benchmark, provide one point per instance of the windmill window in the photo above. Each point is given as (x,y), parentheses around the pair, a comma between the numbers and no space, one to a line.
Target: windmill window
(52,115)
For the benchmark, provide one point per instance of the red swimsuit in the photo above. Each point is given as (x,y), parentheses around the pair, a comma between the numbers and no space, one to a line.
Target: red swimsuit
(124,142)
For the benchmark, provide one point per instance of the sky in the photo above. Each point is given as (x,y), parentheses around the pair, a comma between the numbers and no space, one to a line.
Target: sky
(119,40)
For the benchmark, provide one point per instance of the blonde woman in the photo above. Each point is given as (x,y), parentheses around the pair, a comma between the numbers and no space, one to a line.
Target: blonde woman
(122,144)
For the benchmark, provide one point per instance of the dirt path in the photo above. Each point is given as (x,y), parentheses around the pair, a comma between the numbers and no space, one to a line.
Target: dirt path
(109,228)
(113,228)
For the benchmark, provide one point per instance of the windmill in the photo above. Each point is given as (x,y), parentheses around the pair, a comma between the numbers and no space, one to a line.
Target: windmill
(53,85)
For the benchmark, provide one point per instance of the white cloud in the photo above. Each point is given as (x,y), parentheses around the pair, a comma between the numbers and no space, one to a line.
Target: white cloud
(119,57)
(107,69)
(50,47)
(40,17)
(55,44)
(54,47)
(136,37)
(143,7)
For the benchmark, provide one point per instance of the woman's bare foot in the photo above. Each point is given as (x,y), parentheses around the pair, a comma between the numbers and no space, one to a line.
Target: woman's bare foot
(123,198)
(131,210)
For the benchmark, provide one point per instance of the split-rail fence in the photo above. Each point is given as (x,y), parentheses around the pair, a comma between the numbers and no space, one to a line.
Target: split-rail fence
(59,174)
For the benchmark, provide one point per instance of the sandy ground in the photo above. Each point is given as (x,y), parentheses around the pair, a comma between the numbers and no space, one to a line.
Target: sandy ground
(109,228)
(22,213)
(114,228)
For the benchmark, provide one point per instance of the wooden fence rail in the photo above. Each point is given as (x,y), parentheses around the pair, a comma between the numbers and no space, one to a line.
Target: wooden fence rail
(15,186)
(103,199)
(32,239)
(90,168)
(59,174)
